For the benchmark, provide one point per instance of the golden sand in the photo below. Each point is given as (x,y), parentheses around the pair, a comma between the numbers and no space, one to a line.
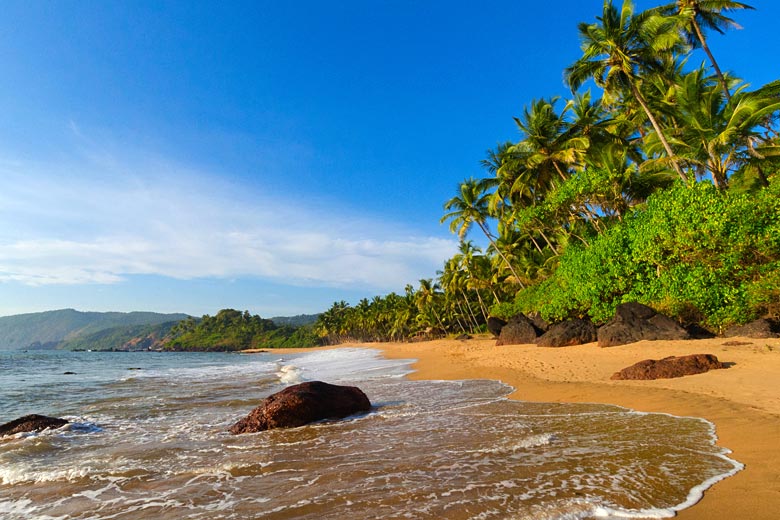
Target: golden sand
(743,401)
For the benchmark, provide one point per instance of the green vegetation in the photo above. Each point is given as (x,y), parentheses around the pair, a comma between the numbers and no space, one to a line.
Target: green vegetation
(231,330)
(664,190)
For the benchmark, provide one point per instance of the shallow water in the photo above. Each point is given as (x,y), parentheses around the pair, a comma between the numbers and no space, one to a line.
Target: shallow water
(152,443)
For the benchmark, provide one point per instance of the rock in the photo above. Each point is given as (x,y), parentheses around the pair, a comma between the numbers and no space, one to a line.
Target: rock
(494,325)
(463,337)
(302,404)
(31,423)
(636,322)
(69,373)
(519,330)
(670,367)
(539,322)
(698,332)
(760,329)
(568,333)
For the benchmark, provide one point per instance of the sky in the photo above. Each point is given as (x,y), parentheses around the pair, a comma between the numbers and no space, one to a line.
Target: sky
(181,156)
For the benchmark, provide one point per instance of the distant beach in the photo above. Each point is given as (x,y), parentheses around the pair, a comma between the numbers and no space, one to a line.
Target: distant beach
(742,401)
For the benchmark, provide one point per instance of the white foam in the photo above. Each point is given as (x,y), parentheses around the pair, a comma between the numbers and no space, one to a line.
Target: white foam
(289,374)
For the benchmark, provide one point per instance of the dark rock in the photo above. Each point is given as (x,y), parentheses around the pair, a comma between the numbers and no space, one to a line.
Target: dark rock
(760,329)
(539,322)
(568,333)
(670,367)
(135,368)
(494,325)
(69,373)
(519,330)
(302,404)
(698,332)
(463,337)
(636,322)
(31,423)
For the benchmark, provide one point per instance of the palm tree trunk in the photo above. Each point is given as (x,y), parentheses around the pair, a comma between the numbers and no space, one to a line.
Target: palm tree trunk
(501,254)
(638,96)
(703,41)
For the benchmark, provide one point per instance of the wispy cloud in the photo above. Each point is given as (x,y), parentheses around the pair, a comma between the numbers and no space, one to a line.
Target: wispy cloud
(104,218)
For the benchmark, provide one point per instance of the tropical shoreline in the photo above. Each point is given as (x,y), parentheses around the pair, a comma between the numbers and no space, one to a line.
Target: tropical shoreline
(742,401)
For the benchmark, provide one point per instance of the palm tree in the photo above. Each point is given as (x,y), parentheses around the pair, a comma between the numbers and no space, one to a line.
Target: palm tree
(620,47)
(471,207)
(697,15)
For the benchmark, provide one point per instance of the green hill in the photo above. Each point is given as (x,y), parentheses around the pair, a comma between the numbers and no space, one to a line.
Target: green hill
(51,329)
(234,330)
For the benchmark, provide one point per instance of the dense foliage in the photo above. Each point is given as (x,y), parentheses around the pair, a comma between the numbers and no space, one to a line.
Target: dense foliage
(663,190)
(230,330)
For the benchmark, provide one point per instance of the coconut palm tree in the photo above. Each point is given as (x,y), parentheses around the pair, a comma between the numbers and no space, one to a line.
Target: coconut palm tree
(696,16)
(617,50)
(471,207)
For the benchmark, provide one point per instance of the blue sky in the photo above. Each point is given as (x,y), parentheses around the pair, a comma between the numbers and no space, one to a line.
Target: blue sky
(270,156)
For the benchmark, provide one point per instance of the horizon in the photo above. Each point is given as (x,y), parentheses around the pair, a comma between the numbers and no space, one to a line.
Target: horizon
(270,158)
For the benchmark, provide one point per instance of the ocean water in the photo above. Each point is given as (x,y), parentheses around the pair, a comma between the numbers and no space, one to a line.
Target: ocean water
(148,440)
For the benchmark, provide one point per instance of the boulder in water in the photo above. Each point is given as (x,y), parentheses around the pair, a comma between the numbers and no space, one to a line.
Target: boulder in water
(31,423)
(302,404)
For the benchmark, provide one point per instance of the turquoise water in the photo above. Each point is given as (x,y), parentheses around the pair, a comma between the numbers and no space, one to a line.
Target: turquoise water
(148,440)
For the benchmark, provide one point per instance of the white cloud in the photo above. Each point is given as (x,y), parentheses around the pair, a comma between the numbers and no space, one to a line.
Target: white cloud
(104,219)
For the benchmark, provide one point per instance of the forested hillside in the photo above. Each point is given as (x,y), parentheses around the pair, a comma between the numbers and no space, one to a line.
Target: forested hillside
(48,329)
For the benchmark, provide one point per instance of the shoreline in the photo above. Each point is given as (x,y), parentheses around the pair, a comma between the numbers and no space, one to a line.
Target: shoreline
(742,401)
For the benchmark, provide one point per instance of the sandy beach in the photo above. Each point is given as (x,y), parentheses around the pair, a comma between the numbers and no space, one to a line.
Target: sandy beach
(743,401)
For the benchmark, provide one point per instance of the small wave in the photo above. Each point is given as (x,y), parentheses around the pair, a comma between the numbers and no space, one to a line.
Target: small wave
(18,474)
(289,374)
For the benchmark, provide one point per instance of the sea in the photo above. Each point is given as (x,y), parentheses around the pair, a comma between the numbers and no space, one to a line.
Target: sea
(148,439)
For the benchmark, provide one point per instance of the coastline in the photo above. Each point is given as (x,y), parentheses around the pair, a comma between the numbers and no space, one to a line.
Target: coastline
(742,401)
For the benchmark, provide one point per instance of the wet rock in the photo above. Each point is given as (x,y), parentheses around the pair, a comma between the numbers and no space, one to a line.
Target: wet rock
(69,373)
(31,423)
(670,367)
(494,325)
(760,329)
(519,330)
(636,322)
(302,404)
(568,333)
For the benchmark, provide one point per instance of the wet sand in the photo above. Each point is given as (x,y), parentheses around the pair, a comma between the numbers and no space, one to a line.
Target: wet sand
(743,401)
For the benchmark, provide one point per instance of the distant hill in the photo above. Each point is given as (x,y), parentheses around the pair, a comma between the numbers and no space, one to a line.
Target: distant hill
(51,329)
(296,321)
(124,337)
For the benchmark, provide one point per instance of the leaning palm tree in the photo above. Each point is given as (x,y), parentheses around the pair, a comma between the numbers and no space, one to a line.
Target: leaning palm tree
(471,207)
(695,16)
(617,49)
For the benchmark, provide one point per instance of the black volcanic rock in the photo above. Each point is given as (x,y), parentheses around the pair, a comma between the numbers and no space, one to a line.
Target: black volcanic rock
(636,322)
(519,330)
(568,333)
(758,329)
(494,325)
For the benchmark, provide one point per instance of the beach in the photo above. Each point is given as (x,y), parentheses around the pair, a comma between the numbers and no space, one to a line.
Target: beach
(742,401)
